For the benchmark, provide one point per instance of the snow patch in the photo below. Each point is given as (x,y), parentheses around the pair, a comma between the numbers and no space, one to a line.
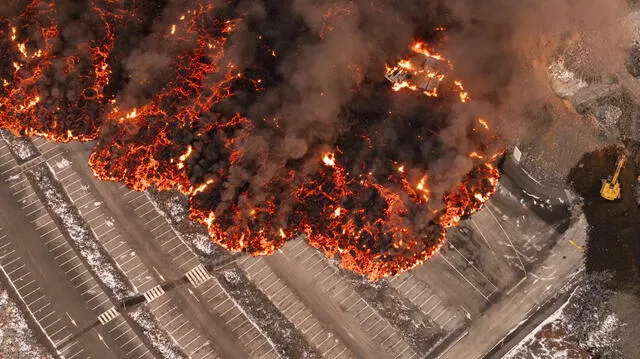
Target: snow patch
(583,326)
(231,276)
(203,243)
(80,233)
(159,338)
(16,339)
(62,164)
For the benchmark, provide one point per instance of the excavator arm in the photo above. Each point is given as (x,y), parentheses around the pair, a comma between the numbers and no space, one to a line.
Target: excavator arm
(621,162)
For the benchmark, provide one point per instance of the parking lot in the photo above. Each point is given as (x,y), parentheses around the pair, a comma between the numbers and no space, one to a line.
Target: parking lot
(185,334)
(104,228)
(428,301)
(337,288)
(58,247)
(177,253)
(132,346)
(219,303)
(54,324)
(484,256)
(146,214)
(327,344)
(293,308)
(62,254)
(107,232)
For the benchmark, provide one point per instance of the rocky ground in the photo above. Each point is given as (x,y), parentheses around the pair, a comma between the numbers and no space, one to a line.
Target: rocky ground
(592,120)
(558,145)
(584,327)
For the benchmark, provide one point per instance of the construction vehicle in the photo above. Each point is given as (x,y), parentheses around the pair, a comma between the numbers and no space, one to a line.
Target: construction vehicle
(610,189)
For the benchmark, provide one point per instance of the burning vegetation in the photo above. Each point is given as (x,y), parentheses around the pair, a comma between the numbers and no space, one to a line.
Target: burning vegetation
(271,129)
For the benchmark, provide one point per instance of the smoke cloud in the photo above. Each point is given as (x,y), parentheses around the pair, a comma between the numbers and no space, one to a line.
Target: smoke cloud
(503,50)
(236,103)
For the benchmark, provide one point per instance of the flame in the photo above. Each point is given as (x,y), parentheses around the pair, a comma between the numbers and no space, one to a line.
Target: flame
(345,209)
(132,114)
(426,78)
(31,54)
(422,48)
(402,85)
(464,97)
(484,123)
(184,157)
(422,187)
(329,159)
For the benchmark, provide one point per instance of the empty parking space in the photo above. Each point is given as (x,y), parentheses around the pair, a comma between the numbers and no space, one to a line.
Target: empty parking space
(249,337)
(130,343)
(103,227)
(146,213)
(180,329)
(428,301)
(338,289)
(54,325)
(48,149)
(325,342)
(7,163)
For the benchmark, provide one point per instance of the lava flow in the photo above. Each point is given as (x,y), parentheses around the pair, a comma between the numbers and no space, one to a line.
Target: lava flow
(189,108)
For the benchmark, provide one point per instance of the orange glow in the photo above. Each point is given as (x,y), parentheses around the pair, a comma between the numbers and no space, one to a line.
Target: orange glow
(422,48)
(183,137)
(428,78)
(464,97)
(404,85)
(422,187)
(329,159)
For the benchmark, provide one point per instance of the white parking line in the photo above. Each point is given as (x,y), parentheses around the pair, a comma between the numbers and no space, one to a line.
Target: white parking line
(462,275)
(16,269)
(26,285)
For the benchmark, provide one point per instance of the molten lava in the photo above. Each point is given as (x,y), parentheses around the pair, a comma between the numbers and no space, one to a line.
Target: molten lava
(189,135)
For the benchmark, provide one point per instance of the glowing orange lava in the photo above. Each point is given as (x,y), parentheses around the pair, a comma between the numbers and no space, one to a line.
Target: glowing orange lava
(181,138)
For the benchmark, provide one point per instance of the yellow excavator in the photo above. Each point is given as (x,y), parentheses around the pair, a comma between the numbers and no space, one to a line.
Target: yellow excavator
(610,189)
